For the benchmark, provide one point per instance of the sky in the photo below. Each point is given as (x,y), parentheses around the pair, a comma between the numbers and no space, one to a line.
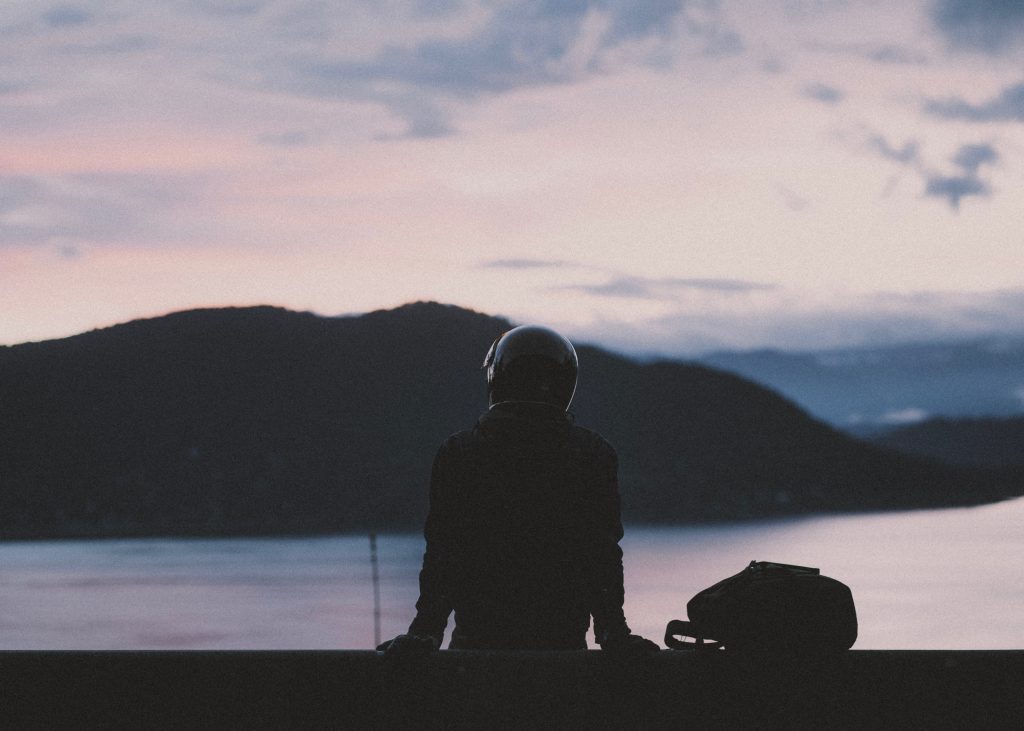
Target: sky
(668,176)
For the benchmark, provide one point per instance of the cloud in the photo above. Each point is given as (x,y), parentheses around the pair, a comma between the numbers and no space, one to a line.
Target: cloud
(120,44)
(951,187)
(527,42)
(1008,106)
(667,288)
(823,93)
(11,87)
(906,154)
(894,55)
(63,16)
(971,157)
(422,61)
(990,26)
(229,7)
(524,43)
(626,286)
(438,8)
(785,319)
(702,20)
(101,207)
(955,188)
(525,264)
(28,210)
(424,118)
(909,415)
(882,54)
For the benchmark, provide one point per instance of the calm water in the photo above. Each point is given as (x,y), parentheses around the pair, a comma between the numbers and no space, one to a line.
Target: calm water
(922,580)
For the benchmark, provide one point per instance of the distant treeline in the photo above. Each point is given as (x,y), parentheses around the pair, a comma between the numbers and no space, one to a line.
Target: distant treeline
(265,421)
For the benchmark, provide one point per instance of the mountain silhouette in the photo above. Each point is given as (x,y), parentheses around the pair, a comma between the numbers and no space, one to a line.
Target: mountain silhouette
(868,390)
(261,420)
(974,442)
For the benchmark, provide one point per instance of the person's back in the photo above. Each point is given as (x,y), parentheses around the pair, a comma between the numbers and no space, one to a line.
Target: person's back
(526,516)
(524,523)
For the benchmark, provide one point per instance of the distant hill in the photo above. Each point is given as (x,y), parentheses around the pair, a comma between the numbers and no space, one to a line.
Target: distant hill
(865,390)
(261,421)
(972,442)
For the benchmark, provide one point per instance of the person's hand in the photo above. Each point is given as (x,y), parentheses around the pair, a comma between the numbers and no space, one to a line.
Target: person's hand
(629,647)
(409,646)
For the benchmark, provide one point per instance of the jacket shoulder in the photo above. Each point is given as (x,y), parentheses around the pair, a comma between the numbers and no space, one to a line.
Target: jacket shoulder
(459,442)
(590,441)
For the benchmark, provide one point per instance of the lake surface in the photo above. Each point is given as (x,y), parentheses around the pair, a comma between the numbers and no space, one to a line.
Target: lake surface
(946,579)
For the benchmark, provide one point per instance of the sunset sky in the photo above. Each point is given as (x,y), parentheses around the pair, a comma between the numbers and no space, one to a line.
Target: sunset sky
(669,176)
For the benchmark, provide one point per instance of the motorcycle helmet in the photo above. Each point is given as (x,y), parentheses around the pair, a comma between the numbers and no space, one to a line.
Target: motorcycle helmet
(531,363)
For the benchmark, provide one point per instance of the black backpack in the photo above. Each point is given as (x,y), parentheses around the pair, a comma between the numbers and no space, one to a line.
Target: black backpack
(769,607)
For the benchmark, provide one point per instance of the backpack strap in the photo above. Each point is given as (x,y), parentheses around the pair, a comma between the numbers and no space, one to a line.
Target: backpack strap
(679,629)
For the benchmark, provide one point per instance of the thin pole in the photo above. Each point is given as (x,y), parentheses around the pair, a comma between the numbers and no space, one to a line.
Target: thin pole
(376,589)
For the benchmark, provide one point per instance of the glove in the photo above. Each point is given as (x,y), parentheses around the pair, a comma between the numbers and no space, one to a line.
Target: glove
(409,646)
(629,647)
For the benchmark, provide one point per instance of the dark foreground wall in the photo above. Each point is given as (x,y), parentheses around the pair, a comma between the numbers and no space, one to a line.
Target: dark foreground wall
(353,689)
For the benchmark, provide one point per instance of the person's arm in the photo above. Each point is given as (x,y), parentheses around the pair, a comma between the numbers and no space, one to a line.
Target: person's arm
(607,593)
(610,628)
(434,604)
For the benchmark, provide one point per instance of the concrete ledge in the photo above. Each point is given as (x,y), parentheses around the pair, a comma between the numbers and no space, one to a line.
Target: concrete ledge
(357,689)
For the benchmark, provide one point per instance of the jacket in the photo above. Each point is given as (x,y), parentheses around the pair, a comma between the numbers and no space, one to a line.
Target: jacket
(522,535)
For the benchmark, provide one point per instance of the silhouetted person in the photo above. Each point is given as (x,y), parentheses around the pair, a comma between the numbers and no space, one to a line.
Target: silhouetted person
(522,537)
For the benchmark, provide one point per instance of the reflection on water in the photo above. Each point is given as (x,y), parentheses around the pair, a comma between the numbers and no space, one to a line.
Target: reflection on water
(922,580)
